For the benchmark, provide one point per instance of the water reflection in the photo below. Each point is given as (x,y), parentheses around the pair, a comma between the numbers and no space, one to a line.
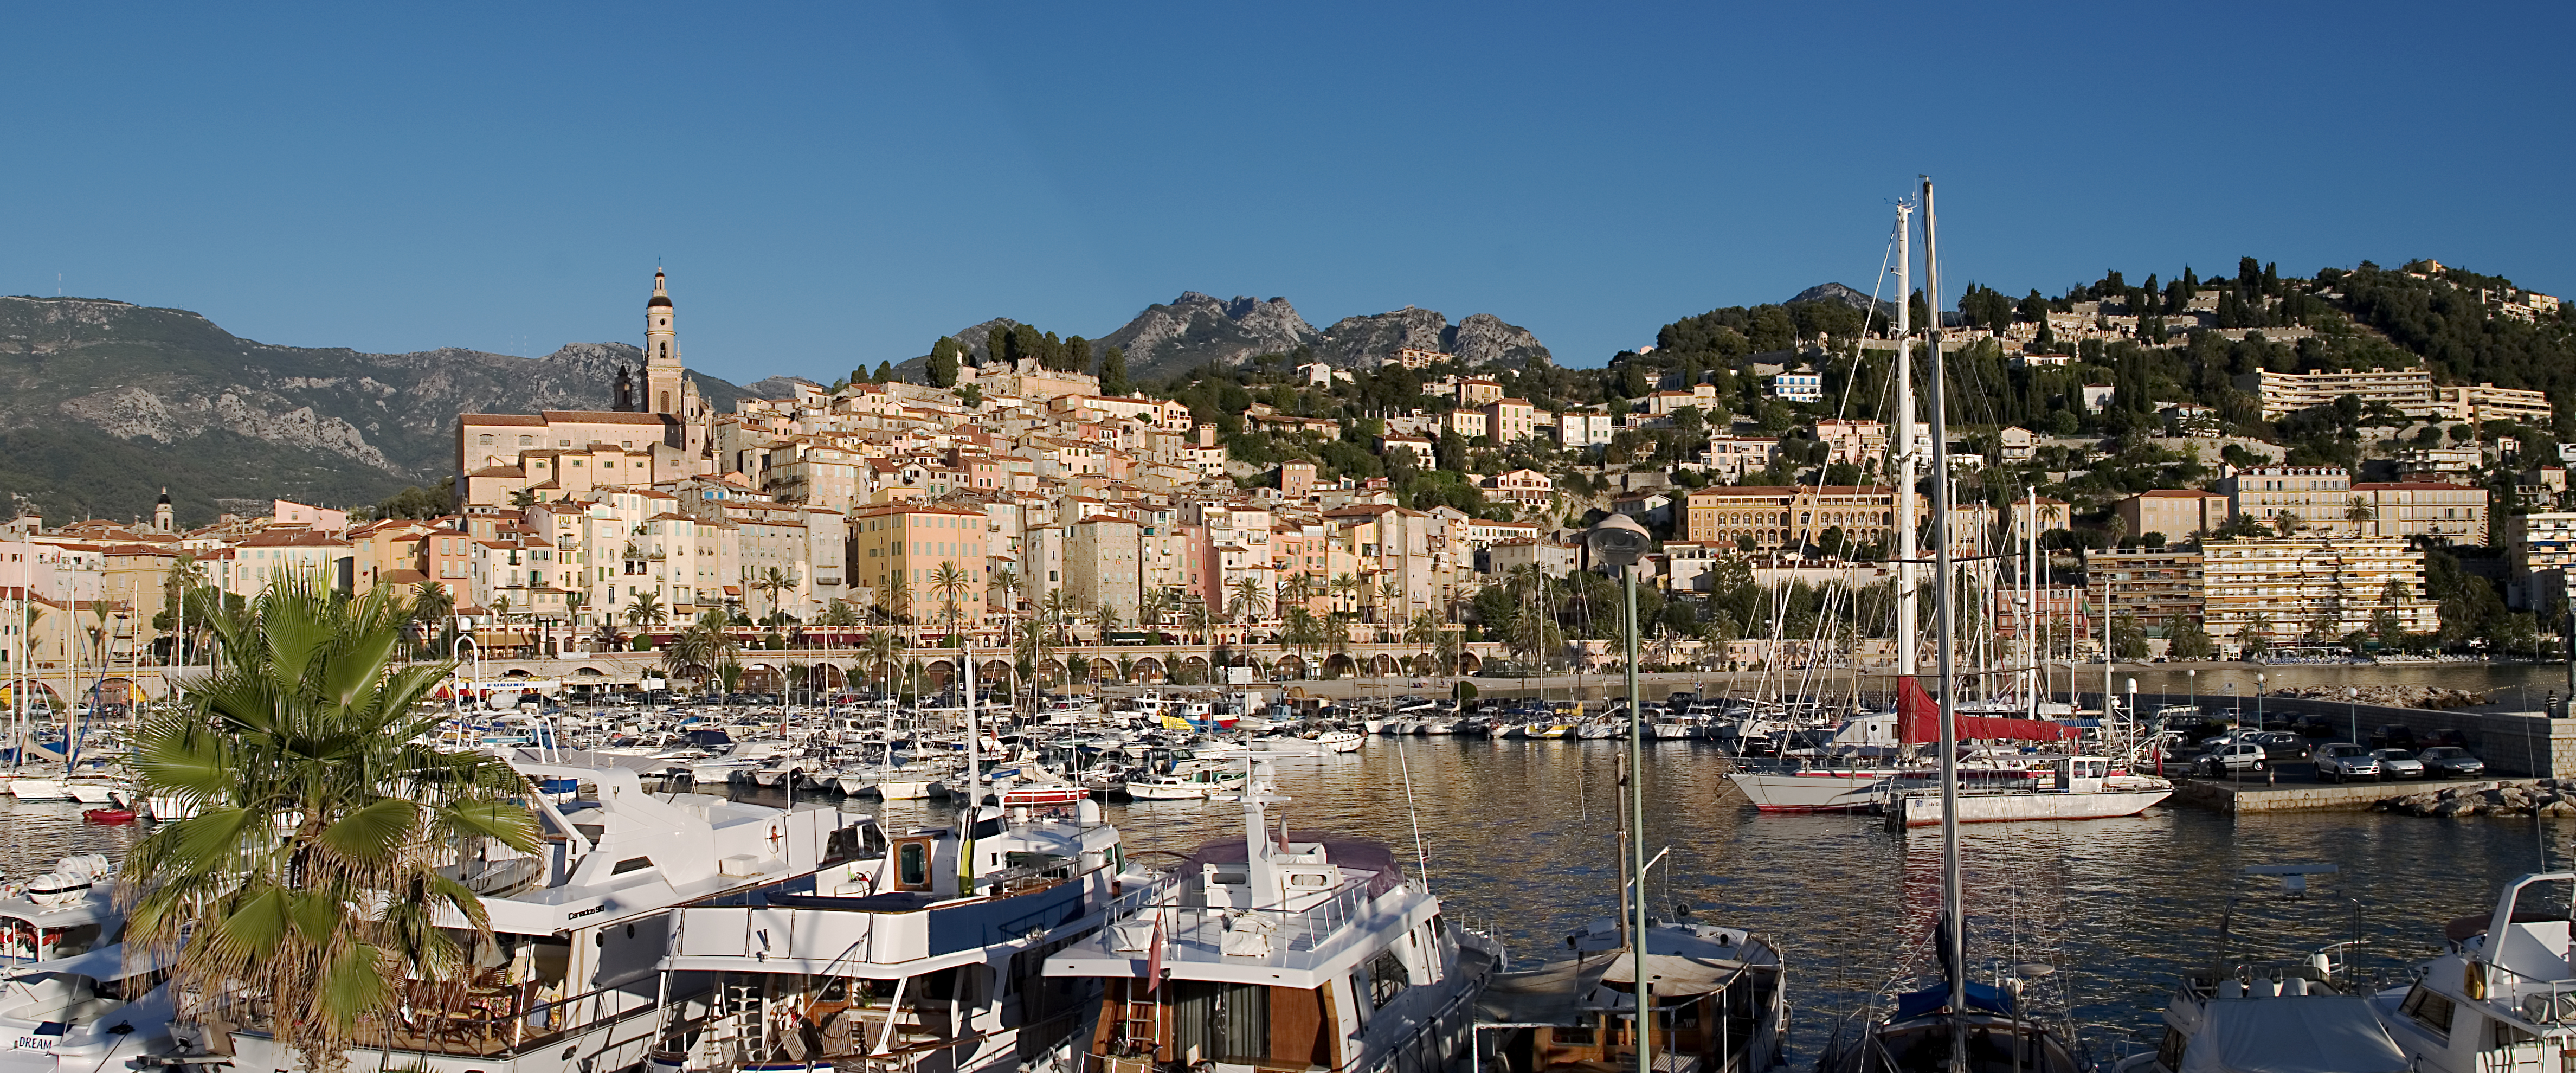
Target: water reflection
(1520,839)
(1519,836)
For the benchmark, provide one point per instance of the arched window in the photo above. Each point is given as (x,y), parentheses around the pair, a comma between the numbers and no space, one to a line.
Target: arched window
(525,441)
(666,402)
(485,440)
(666,350)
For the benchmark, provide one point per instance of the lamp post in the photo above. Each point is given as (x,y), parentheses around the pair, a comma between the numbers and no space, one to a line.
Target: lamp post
(2352,711)
(2194,676)
(2258,702)
(1619,541)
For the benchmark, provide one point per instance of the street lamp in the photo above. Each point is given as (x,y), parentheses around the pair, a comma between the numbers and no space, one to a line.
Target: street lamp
(1619,541)
(2194,675)
(2258,702)
(2352,711)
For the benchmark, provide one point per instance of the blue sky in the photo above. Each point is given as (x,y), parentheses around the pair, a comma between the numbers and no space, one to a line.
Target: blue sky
(837,185)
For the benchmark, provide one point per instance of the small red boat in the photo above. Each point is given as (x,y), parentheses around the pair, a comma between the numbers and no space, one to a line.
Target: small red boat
(109,815)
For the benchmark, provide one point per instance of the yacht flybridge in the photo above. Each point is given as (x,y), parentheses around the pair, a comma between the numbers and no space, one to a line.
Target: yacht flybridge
(2502,996)
(921,951)
(570,979)
(1276,950)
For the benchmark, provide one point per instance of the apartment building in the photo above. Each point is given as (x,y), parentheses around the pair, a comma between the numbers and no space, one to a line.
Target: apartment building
(2408,391)
(2440,510)
(2175,513)
(2317,500)
(2158,586)
(2283,590)
(2539,549)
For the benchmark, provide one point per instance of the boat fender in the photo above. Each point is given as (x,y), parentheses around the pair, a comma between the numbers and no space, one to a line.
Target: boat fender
(2473,980)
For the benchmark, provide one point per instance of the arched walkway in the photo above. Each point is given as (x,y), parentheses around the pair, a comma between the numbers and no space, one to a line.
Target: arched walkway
(1193,671)
(1291,664)
(1147,670)
(1469,664)
(937,673)
(1338,665)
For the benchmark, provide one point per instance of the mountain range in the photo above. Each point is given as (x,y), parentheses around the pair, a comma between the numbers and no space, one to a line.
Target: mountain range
(103,403)
(1198,329)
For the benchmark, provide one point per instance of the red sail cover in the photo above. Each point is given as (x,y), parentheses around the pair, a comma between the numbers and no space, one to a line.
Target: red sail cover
(1919,719)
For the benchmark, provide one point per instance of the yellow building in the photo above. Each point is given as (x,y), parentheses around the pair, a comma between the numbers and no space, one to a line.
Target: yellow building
(2286,590)
(908,543)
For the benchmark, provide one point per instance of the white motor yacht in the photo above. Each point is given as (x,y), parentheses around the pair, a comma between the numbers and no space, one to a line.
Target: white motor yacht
(2502,995)
(2260,1015)
(902,957)
(1720,1000)
(579,927)
(73,1000)
(1281,949)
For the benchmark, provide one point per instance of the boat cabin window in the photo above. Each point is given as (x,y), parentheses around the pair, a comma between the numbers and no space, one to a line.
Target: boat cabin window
(1221,1022)
(912,864)
(1316,880)
(631,864)
(1386,979)
(2428,1008)
(861,842)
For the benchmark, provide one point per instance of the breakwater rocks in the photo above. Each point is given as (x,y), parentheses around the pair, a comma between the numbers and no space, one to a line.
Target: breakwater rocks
(2546,797)
(2432,697)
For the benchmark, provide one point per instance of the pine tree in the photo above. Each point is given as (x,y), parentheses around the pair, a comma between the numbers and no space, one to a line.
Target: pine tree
(885,372)
(943,362)
(1113,371)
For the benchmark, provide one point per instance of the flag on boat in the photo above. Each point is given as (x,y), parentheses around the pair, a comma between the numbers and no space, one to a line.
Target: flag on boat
(1919,720)
(1154,954)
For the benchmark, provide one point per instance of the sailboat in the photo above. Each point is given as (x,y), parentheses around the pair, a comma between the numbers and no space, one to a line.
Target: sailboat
(1955,1024)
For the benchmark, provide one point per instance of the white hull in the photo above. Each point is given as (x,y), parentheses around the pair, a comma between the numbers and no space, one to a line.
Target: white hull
(93,793)
(1342,741)
(1925,810)
(39,790)
(1818,792)
(169,808)
(910,790)
(1151,792)
(854,784)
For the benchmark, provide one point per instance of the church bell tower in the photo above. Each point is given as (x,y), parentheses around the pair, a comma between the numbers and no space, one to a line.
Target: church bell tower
(662,373)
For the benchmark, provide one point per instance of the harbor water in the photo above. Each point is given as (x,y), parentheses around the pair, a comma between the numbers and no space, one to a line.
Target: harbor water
(1519,838)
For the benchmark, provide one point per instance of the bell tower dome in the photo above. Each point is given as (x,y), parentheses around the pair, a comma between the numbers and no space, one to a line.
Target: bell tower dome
(662,371)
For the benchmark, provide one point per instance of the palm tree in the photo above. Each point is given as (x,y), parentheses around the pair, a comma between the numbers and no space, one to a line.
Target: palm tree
(880,649)
(702,648)
(1424,630)
(1391,595)
(950,581)
(1195,618)
(646,609)
(1251,600)
(1008,581)
(1056,611)
(774,581)
(894,601)
(309,930)
(1106,618)
(1151,608)
(1344,587)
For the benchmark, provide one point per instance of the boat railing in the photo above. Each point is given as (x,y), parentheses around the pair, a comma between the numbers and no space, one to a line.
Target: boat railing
(1145,896)
(1302,930)
(2544,1006)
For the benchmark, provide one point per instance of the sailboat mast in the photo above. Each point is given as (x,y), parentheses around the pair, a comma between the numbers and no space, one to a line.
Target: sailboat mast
(1900,445)
(1953,927)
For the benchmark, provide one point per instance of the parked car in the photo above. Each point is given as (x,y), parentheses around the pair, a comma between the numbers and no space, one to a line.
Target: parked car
(2280,744)
(2453,738)
(2445,761)
(2231,758)
(2343,761)
(2398,764)
(2317,726)
(2392,736)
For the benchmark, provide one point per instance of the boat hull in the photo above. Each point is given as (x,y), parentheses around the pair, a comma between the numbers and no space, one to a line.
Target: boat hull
(1925,810)
(1824,791)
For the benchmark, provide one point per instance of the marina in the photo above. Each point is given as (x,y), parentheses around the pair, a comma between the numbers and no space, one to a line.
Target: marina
(1517,841)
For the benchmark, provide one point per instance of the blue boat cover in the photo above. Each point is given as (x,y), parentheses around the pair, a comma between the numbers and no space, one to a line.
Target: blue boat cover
(1980,997)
